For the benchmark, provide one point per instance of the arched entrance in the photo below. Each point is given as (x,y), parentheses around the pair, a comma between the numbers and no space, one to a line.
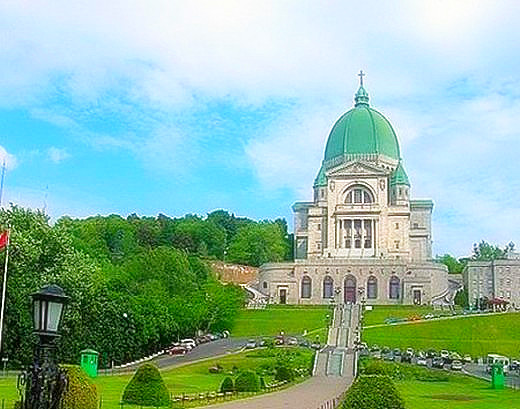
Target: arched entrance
(350,289)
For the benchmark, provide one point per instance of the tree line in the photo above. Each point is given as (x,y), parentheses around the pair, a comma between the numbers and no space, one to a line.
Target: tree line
(136,284)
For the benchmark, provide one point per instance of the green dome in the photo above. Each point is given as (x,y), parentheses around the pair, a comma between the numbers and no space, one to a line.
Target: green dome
(360,132)
(399,176)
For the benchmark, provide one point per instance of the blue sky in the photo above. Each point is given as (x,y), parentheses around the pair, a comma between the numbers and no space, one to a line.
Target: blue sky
(178,107)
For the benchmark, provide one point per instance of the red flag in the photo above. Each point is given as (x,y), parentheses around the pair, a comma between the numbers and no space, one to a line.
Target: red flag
(4,239)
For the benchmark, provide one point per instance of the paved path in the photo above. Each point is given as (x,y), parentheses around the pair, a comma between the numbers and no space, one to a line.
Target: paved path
(319,391)
(310,394)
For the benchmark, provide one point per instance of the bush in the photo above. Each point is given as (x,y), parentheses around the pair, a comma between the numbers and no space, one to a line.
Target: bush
(284,373)
(227,385)
(262,383)
(247,381)
(373,392)
(146,388)
(80,392)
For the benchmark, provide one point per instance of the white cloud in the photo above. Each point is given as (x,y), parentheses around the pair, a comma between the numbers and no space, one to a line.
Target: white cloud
(57,155)
(7,158)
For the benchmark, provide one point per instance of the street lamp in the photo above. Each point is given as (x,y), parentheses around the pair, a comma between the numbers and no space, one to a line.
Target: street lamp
(44,382)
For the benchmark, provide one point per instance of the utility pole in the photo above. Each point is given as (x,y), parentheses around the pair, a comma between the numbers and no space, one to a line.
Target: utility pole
(2,184)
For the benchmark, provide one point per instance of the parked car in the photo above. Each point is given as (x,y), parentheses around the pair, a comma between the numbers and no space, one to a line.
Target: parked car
(454,356)
(514,365)
(456,365)
(421,355)
(251,344)
(438,362)
(422,362)
(467,359)
(278,340)
(397,353)
(409,351)
(188,343)
(445,354)
(305,343)
(316,346)
(406,358)
(292,341)
(177,350)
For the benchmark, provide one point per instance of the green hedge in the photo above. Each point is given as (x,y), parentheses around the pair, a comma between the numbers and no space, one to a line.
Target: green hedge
(247,381)
(80,392)
(227,385)
(373,392)
(146,388)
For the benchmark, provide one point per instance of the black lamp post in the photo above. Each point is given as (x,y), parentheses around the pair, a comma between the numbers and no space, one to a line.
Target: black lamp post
(43,381)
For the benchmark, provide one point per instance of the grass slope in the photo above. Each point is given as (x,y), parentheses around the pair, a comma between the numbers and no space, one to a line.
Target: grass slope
(476,335)
(292,320)
(380,313)
(460,392)
(193,378)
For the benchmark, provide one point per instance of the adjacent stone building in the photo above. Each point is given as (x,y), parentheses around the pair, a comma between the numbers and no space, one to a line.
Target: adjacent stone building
(362,237)
(494,279)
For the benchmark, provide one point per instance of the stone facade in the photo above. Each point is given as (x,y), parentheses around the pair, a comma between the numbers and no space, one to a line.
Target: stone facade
(362,237)
(494,279)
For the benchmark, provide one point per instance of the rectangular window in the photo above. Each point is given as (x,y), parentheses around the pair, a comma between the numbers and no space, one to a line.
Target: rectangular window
(416,225)
(318,245)
(397,244)
(397,226)
(348,243)
(357,196)
(319,226)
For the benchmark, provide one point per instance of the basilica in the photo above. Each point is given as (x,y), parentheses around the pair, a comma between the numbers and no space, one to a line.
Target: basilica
(362,238)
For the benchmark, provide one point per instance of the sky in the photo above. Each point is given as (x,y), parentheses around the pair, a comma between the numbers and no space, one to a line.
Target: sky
(182,107)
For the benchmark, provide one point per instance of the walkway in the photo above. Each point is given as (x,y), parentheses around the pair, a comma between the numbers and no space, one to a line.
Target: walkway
(333,371)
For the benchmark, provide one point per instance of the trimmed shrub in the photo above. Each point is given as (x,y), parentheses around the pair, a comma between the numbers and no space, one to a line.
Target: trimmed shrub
(227,385)
(373,392)
(146,388)
(284,373)
(80,392)
(247,381)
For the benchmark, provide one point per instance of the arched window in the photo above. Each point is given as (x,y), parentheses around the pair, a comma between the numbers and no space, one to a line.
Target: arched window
(372,287)
(394,288)
(306,287)
(359,195)
(328,287)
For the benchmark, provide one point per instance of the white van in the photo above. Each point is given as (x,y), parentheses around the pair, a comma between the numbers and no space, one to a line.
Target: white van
(497,359)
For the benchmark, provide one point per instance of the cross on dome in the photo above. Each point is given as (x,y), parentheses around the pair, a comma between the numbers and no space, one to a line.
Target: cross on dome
(361,75)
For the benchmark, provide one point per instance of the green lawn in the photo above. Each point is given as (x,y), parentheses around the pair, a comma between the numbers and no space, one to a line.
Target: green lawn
(292,320)
(423,388)
(475,335)
(193,378)
(380,313)
(460,392)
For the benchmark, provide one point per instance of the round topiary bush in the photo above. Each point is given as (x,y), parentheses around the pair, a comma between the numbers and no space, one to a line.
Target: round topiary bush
(373,392)
(80,392)
(247,381)
(284,373)
(227,385)
(146,388)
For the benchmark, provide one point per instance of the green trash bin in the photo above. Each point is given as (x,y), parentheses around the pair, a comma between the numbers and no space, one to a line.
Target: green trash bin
(89,362)
(497,376)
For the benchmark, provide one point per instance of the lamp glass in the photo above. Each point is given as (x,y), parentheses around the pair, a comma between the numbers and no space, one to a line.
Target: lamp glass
(53,316)
(37,315)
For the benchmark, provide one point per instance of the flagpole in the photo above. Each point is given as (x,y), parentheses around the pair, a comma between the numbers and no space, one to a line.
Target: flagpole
(4,288)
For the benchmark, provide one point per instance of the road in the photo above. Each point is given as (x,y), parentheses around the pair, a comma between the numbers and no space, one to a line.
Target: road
(311,394)
(204,351)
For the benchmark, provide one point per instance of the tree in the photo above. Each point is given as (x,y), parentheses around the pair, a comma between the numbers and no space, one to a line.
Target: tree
(256,244)
(454,266)
(484,251)
(373,392)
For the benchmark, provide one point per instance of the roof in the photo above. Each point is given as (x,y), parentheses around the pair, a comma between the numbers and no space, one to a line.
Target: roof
(321,178)
(89,351)
(361,131)
(425,203)
(399,176)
